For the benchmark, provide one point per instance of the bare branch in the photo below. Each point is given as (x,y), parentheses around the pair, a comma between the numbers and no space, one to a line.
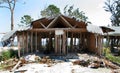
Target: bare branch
(14,4)
(4,7)
(9,4)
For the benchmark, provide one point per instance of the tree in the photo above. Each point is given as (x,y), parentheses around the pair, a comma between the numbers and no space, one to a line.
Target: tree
(79,15)
(113,6)
(50,11)
(9,4)
(26,19)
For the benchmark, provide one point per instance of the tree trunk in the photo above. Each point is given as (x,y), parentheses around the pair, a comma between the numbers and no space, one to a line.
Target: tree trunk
(12,19)
(12,25)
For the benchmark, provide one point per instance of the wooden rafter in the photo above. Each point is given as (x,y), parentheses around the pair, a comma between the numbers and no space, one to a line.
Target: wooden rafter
(67,22)
(52,22)
(42,24)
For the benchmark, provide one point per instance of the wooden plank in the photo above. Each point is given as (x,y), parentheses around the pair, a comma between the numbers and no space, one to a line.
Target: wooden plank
(23,44)
(18,45)
(71,42)
(13,69)
(31,42)
(67,22)
(64,44)
(27,41)
(65,29)
(36,42)
(42,24)
(55,44)
(52,22)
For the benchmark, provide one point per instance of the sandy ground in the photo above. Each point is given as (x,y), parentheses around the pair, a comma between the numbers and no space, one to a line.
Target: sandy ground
(60,67)
(65,67)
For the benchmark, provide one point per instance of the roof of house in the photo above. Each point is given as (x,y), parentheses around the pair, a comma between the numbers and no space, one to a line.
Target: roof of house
(66,22)
(94,29)
(116,32)
(9,35)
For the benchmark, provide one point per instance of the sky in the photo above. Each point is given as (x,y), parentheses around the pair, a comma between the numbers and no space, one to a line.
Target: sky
(93,10)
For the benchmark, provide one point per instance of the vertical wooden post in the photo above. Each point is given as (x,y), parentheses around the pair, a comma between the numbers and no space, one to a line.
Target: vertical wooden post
(75,40)
(23,42)
(31,41)
(67,43)
(71,42)
(40,43)
(80,41)
(56,44)
(27,41)
(36,41)
(50,42)
(64,43)
(18,38)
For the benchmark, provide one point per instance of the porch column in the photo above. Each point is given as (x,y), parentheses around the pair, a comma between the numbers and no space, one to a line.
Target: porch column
(71,42)
(18,38)
(31,41)
(64,44)
(27,41)
(36,42)
(56,44)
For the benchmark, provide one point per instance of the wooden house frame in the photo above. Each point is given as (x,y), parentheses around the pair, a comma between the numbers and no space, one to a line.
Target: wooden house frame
(61,35)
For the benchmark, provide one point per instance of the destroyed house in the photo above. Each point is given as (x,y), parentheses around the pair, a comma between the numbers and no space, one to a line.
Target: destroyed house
(59,36)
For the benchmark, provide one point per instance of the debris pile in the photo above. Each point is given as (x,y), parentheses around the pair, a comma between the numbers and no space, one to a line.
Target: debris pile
(82,60)
(93,63)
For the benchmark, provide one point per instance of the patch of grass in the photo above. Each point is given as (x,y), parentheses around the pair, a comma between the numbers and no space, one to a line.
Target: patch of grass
(110,56)
(5,55)
(113,58)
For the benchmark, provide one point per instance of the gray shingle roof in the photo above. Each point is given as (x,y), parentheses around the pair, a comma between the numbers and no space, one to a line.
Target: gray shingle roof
(94,29)
(116,32)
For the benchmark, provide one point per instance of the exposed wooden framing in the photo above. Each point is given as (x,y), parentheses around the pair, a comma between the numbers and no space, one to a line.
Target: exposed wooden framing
(23,43)
(67,22)
(36,41)
(66,29)
(40,43)
(27,42)
(31,42)
(42,24)
(56,44)
(67,42)
(75,39)
(71,42)
(50,41)
(52,22)
(60,44)
(18,38)
(80,41)
(64,44)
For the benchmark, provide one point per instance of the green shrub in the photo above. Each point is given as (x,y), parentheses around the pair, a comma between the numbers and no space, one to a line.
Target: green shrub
(106,51)
(113,58)
(6,55)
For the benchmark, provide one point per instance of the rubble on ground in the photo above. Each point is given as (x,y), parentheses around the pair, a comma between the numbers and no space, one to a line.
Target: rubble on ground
(84,60)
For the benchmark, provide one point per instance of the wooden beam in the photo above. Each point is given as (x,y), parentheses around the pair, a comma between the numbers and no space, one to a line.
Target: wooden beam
(56,44)
(64,44)
(52,22)
(18,38)
(36,42)
(23,43)
(27,41)
(42,25)
(67,22)
(71,42)
(31,42)
(65,29)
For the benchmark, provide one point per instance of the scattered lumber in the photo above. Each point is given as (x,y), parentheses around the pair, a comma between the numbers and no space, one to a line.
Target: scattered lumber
(16,66)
